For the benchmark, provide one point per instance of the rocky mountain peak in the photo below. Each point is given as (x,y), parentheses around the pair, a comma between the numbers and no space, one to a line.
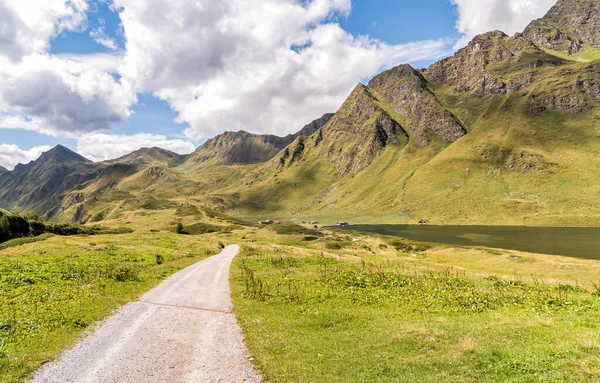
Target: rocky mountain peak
(353,137)
(567,26)
(3,170)
(62,155)
(406,90)
(310,129)
(468,70)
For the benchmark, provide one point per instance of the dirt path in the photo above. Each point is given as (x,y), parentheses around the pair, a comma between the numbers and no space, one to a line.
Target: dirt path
(181,331)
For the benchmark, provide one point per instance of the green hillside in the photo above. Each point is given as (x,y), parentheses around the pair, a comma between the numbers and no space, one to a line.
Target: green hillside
(503,132)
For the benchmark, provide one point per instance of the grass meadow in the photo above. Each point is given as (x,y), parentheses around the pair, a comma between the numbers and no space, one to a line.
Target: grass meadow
(52,290)
(373,311)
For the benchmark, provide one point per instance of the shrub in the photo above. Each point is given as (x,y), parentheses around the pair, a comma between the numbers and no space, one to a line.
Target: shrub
(337,245)
(32,216)
(126,274)
(405,245)
(292,228)
(13,226)
(310,238)
(159,259)
(37,227)
(179,229)
(221,244)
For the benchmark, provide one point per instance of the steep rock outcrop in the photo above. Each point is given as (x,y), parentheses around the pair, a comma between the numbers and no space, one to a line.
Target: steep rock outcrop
(468,70)
(406,91)
(359,131)
(567,26)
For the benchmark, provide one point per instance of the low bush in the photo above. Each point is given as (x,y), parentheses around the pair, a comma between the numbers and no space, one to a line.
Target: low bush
(337,245)
(401,244)
(291,228)
(23,241)
(310,238)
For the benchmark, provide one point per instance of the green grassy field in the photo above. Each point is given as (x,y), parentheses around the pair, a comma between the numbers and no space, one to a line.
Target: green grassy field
(52,290)
(323,307)
(363,311)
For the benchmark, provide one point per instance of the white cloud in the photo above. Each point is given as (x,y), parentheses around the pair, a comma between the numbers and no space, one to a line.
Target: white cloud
(104,62)
(61,97)
(509,16)
(26,26)
(101,147)
(11,155)
(100,37)
(264,66)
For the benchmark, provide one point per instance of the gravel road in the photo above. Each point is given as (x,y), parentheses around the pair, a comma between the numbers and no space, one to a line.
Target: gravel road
(181,331)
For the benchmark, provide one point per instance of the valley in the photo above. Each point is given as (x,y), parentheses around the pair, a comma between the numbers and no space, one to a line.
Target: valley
(471,187)
(503,132)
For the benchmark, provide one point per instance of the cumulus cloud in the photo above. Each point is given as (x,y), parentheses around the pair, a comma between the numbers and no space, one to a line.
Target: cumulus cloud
(26,26)
(101,147)
(11,155)
(509,16)
(56,95)
(266,66)
(61,97)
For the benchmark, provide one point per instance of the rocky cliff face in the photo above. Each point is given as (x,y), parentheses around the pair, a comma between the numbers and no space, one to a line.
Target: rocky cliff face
(356,134)
(568,25)
(406,91)
(469,69)
(494,63)
(3,170)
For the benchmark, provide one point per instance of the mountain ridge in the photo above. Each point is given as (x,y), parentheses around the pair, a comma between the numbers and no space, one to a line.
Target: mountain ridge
(504,131)
(244,148)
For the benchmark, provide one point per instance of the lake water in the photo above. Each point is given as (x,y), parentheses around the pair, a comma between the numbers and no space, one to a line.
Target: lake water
(580,242)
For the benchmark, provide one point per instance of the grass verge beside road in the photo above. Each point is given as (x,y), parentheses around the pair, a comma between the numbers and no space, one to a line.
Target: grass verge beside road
(51,291)
(367,312)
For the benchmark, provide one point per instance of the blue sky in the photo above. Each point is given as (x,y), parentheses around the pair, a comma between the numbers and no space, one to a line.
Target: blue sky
(204,83)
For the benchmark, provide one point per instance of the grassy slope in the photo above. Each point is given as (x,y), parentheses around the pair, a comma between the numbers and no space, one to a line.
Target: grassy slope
(514,167)
(463,187)
(370,313)
(51,291)
(553,179)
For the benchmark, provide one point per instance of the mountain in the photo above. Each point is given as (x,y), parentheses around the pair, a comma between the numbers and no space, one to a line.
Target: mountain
(150,156)
(505,131)
(39,184)
(243,148)
(3,169)
(61,155)
(569,26)
(311,128)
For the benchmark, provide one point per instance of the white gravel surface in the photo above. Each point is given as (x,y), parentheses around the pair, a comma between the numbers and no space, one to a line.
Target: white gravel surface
(181,331)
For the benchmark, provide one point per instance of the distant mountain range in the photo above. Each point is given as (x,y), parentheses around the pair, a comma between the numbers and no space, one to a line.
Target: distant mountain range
(506,131)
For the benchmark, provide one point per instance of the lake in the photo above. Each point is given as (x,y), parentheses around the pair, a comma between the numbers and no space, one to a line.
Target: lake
(580,242)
